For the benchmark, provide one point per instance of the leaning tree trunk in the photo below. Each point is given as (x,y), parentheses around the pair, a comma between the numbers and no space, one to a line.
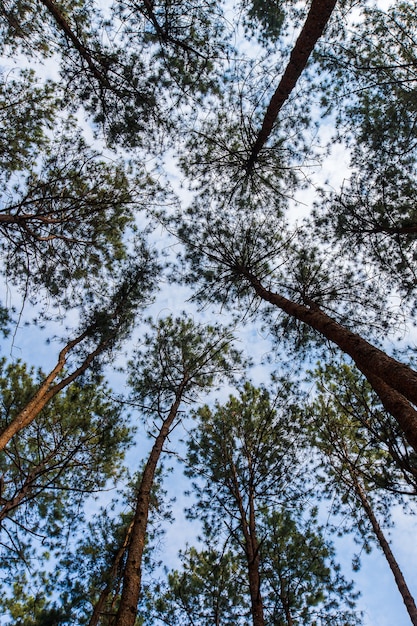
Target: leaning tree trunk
(64,26)
(47,390)
(398,575)
(316,21)
(132,577)
(394,382)
(395,404)
(101,602)
(248,528)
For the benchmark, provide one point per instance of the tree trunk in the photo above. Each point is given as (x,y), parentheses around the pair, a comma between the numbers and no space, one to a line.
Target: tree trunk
(132,577)
(253,572)
(252,551)
(112,575)
(398,575)
(395,404)
(284,599)
(46,392)
(317,18)
(65,27)
(386,375)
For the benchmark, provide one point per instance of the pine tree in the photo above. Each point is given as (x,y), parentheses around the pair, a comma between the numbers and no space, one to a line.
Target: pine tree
(244,460)
(363,456)
(179,361)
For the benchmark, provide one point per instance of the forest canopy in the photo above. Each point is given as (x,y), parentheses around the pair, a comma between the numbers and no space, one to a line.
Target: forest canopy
(208,235)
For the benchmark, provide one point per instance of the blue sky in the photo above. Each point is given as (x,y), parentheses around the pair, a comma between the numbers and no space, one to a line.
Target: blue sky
(380,599)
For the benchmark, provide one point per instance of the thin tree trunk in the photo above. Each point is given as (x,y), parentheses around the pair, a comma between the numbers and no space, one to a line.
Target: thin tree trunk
(46,392)
(386,375)
(132,577)
(253,570)
(252,551)
(398,575)
(284,599)
(112,575)
(65,27)
(316,21)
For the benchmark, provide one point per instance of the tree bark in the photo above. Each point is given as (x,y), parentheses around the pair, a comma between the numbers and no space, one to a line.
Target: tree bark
(386,375)
(112,575)
(316,21)
(46,392)
(398,575)
(132,577)
(248,528)
(395,404)
(253,570)
(284,599)
(65,27)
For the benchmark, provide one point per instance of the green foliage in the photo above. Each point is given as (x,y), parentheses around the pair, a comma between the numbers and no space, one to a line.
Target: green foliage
(74,449)
(300,574)
(207,590)
(243,457)
(67,212)
(380,115)
(32,107)
(5,320)
(374,216)
(108,315)
(221,245)
(28,24)
(162,81)
(224,249)
(125,70)
(250,435)
(358,441)
(107,79)
(374,213)
(183,40)
(264,19)
(180,358)
(34,610)
(90,565)
(347,409)
(64,224)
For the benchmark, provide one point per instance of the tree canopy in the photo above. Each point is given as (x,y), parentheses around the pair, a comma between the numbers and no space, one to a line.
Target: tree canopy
(252,164)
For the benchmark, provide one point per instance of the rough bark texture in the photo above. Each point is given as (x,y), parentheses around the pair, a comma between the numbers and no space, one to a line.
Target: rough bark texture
(395,403)
(65,27)
(112,575)
(371,361)
(132,577)
(46,392)
(317,18)
(398,575)
(248,528)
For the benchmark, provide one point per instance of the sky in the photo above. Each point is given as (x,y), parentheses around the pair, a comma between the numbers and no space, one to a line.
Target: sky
(380,600)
